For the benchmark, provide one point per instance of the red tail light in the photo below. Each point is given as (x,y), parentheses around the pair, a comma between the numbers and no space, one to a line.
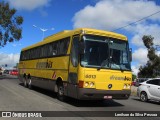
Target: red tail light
(80,84)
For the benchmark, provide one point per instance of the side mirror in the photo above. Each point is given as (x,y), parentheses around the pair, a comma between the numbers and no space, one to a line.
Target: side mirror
(130,54)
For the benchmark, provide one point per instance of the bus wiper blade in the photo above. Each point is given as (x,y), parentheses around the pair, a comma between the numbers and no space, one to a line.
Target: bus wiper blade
(103,64)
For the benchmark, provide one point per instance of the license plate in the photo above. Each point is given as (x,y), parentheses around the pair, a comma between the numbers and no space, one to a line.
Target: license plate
(107,97)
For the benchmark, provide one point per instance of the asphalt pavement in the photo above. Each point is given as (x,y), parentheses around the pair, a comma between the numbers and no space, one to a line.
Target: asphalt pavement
(15,97)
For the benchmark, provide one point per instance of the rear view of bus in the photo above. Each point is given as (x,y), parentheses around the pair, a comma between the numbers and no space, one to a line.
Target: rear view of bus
(104,69)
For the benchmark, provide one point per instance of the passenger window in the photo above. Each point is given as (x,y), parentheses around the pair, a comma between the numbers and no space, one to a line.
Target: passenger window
(153,82)
(158,82)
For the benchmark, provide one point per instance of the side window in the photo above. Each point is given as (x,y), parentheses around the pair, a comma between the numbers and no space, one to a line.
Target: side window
(158,82)
(28,54)
(55,48)
(52,49)
(74,51)
(22,56)
(150,82)
(31,56)
(58,47)
(153,82)
(66,45)
(43,51)
(40,55)
(63,46)
(36,53)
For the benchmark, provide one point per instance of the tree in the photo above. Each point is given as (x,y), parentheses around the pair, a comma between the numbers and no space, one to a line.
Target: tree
(152,67)
(133,77)
(10,24)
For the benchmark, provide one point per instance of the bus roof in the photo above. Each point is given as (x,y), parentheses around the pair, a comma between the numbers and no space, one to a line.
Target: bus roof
(67,33)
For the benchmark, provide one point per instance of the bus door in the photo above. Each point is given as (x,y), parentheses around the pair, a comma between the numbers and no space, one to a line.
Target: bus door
(73,68)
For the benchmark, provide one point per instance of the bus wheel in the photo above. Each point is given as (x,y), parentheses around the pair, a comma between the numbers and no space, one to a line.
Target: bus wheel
(30,84)
(60,93)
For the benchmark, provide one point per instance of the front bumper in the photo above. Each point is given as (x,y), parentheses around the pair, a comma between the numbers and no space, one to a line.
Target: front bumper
(94,94)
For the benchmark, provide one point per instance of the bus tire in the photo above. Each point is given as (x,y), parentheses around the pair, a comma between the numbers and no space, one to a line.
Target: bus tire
(60,93)
(30,84)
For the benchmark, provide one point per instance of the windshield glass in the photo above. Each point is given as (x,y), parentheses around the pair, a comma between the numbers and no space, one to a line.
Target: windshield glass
(107,53)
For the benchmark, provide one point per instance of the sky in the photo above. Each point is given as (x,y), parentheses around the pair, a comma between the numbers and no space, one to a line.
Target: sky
(100,14)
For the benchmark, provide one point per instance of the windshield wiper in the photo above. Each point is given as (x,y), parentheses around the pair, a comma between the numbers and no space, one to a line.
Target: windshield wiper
(103,64)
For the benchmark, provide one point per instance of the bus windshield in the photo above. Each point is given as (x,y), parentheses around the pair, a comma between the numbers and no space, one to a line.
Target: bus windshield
(106,53)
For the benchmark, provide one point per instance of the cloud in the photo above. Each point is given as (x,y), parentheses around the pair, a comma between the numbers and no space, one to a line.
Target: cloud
(135,70)
(139,58)
(112,14)
(9,59)
(28,4)
(144,29)
(140,55)
(43,12)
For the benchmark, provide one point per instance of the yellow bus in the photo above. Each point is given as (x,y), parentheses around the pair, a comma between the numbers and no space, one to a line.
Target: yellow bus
(85,64)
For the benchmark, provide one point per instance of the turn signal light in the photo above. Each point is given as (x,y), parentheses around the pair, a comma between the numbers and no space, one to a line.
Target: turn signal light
(80,84)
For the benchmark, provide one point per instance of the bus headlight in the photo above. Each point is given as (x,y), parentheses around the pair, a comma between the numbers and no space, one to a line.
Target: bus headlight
(86,84)
(128,87)
(91,84)
(125,86)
